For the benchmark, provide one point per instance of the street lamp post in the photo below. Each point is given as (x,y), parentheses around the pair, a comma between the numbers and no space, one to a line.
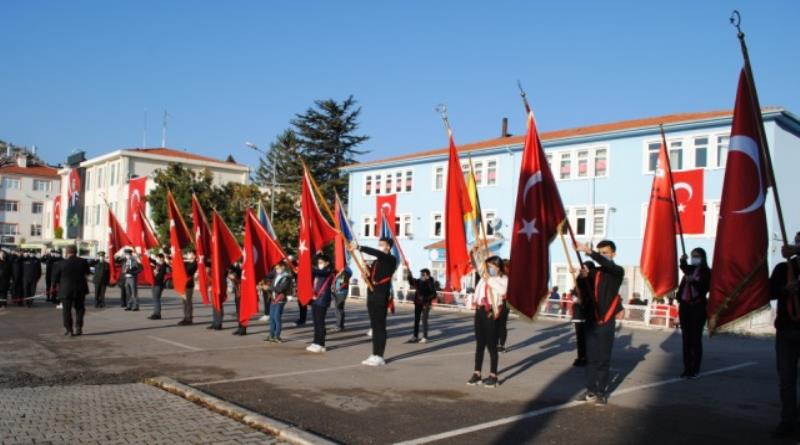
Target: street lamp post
(272,187)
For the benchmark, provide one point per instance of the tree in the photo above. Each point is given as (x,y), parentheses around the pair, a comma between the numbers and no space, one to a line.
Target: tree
(327,135)
(182,182)
(285,154)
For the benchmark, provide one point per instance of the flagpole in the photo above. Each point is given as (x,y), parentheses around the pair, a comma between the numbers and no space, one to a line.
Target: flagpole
(357,254)
(675,212)
(736,20)
(320,197)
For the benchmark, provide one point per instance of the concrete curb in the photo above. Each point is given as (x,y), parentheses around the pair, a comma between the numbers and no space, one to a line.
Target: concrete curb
(281,430)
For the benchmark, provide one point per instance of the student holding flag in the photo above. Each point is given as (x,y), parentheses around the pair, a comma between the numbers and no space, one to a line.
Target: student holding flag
(320,302)
(488,301)
(381,273)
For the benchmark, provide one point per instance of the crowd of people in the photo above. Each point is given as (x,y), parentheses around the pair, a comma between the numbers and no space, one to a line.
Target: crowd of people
(596,303)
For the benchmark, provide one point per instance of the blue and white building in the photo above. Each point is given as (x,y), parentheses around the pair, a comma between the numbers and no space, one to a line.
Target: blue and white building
(604,173)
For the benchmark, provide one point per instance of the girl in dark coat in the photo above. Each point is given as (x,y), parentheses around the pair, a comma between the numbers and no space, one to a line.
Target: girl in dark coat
(692,295)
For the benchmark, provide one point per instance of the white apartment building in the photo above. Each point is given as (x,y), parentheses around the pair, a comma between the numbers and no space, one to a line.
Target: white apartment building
(27,191)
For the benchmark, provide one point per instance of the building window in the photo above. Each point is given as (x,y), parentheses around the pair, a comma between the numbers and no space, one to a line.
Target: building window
(722,150)
(580,221)
(11,183)
(600,162)
(112,180)
(549,157)
(701,151)
(409,180)
(438,178)
(588,221)
(9,206)
(36,230)
(388,184)
(37,208)
(676,155)
(599,222)
(652,156)
(488,220)
(398,182)
(97,215)
(368,229)
(438,225)
(41,185)
(405,227)
(368,185)
(583,164)
(477,168)
(378,184)
(491,172)
(88,180)
(8,229)
(565,166)
(100,177)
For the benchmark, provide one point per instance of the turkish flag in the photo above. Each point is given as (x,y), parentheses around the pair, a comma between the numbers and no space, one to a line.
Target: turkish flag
(385,205)
(147,240)
(117,239)
(57,212)
(179,239)
(136,191)
(688,185)
(739,278)
(538,216)
(315,233)
(659,260)
(456,204)
(260,254)
(224,252)
(202,245)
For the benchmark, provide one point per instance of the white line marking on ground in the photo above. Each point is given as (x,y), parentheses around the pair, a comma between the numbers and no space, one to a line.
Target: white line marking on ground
(174,343)
(550,409)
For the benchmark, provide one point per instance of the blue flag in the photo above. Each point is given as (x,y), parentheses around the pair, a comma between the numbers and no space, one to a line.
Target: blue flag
(387,233)
(263,218)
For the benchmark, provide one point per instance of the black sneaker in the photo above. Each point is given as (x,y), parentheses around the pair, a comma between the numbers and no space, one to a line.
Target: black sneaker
(184,323)
(502,349)
(154,317)
(590,397)
(474,380)
(128,308)
(490,382)
(136,309)
(602,400)
(579,362)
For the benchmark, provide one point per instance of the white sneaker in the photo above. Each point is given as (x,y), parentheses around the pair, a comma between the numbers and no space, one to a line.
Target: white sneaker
(369,333)
(423,340)
(379,361)
(264,318)
(369,361)
(59,306)
(315,348)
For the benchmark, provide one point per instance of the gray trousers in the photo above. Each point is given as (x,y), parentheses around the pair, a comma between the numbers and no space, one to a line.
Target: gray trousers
(157,290)
(187,304)
(132,292)
(217,316)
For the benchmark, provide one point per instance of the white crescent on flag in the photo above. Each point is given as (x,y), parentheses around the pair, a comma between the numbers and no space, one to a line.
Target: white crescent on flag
(748,146)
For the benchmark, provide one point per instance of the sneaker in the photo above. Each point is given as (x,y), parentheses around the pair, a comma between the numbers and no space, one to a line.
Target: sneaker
(184,323)
(154,317)
(269,338)
(374,360)
(601,400)
(423,340)
(502,349)
(413,340)
(277,340)
(475,380)
(490,382)
(264,318)
(579,362)
(379,361)
(590,397)
(59,306)
(315,348)
(369,333)
(369,360)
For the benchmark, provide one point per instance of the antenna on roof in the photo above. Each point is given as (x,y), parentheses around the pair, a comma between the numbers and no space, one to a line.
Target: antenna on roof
(164,130)
(144,130)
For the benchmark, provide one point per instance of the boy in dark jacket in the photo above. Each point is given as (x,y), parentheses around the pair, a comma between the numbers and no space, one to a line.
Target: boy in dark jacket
(424,294)
(323,281)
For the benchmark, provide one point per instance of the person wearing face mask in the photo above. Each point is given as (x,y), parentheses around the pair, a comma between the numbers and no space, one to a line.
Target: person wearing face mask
(784,284)
(424,294)
(159,274)
(130,273)
(278,291)
(487,300)
(692,297)
(190,265)
(320,301)
(380,274)
(603,284)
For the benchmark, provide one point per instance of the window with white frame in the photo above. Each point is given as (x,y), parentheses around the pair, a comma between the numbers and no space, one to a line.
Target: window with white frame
(409,185)
(565,165)
(367,185)
(9,206)
(438,178)
(549,157)
(491,172)
(8,229)
(583,163)
(97,215)
(37,208)
(652,156)
(701,151)
(588,221)
(579,163)
(437,226)
(406,230)
(36,230)
(485,171)
(711,211)
(112,180)
(388,182)
(488,220)
(398,182)
(722,150)
(88,180)
(378,184)
(11,183)
(41,185)
(563,279)
(100,177)
(368,227)
(600,162)
(676,155)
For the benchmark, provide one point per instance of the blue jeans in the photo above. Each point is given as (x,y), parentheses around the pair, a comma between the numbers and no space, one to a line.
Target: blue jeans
(275,314)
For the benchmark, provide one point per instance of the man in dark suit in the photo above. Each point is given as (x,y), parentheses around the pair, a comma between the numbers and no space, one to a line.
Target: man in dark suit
(102,274)
(31,272)
(49,260)
(70,277)
(6,271)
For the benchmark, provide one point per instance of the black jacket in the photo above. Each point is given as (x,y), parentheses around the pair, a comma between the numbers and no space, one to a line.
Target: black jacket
(6,271)
(778,291)
(698,288)
(603,289)
(159,273)
(191,269)
(102,272)
(424,289)
(31,270)
(381,271)
(70,276)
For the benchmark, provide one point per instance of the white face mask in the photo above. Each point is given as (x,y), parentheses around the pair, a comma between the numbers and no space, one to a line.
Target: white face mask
(696,261)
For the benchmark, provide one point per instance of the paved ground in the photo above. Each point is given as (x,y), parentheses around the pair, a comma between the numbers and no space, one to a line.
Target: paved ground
(421,395)
(113,414)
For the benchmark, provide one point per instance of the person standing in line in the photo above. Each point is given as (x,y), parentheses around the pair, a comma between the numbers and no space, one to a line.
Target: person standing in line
(581,310)
(692,298)
(70,277)
(784,284)
(17,277)
(604,282)
(130,273)
(264,290)
(234,290)
(381,273)
(6,271)
(341,288)
(321,301)
(279,288)
(49,259)
(190,265)
(487,301)
(159,275)
(102,274)
(424,295)
(31,272)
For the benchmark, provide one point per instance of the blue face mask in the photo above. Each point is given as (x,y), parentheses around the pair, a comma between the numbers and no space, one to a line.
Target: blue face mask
(696,261)
(492,272)
(608,257)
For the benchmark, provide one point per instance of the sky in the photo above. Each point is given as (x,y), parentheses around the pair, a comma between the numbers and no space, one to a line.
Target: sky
(84,74)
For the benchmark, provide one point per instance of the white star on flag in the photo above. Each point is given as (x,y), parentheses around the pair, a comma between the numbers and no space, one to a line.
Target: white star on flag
(681,208)
(302,247)
(528,228)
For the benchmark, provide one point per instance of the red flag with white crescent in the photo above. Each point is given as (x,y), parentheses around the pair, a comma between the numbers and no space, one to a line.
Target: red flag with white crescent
(538,216)
(117,239)
(739,277)
(456,204)
(659,259)
(224,252)
(315,234)
(179,239)
(689,194)
(385,205)
(202,245)
(260,253)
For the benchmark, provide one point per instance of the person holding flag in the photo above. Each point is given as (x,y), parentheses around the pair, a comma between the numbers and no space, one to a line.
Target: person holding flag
(321,301)
(691,296)
(424,295)
(378,298)
(487,302)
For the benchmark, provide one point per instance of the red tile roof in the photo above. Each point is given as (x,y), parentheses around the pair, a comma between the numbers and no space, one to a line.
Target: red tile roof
(568,133)
(38,170)
(172,153)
